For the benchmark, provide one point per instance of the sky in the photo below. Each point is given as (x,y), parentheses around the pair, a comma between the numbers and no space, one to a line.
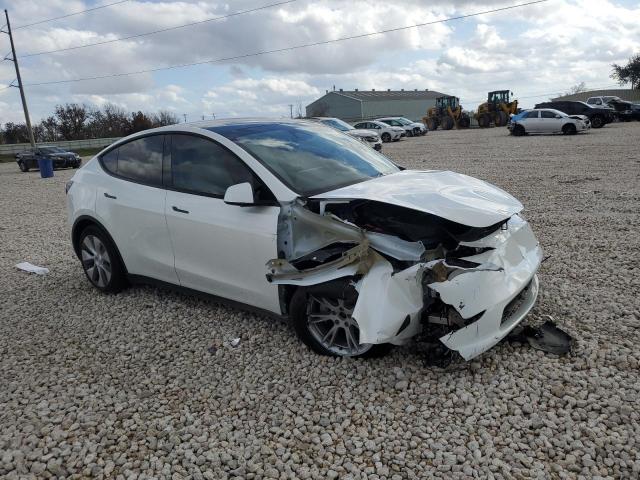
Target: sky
(537,51)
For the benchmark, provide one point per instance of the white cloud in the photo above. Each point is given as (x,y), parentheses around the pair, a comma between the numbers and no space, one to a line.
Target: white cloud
(542,48)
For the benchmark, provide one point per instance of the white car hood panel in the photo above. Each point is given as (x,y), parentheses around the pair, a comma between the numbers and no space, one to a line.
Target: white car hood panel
(453,196)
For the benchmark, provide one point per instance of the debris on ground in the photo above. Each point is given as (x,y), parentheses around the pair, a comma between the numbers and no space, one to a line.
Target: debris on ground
(31,268)
(547,337)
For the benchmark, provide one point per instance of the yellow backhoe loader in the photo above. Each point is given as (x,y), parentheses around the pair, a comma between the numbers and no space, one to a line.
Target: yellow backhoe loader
(497,109)
(446,114)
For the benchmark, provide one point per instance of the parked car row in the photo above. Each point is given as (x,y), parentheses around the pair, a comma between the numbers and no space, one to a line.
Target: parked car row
(571,117)
(60,158)
(375,132)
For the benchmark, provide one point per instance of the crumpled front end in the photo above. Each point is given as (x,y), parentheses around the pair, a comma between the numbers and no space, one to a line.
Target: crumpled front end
(414,272)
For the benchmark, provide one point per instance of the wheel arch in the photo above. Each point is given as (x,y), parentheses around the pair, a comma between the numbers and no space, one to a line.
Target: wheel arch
(80,224)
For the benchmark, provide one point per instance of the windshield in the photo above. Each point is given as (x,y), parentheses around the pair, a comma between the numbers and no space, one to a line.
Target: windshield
(337,123)
(405,121)
(51,150)
(309,158)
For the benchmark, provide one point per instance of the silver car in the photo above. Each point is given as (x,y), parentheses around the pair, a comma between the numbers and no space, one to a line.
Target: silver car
(547,120)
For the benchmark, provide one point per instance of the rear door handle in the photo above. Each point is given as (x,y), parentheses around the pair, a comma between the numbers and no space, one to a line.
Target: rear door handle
(110,196)
(176,209)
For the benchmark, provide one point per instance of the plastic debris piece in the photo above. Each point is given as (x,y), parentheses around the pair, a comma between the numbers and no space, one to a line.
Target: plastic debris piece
(212,350)
(234,342)
(547,337)
(31,268)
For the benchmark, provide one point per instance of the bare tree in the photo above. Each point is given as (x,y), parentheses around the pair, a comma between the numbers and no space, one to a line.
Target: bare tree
(71,120)
(578,88)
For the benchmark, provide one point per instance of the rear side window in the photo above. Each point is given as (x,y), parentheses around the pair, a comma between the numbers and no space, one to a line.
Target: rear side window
(548,114)
(110,161)
(139,160)
(202,166)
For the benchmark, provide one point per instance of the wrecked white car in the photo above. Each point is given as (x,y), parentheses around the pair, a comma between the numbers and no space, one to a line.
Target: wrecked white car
(297,219)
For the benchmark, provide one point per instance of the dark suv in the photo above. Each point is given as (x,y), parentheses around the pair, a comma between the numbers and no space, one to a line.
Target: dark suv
(598,117)
(61,158)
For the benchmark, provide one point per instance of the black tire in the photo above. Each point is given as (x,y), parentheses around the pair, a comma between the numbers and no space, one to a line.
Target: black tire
(447,123)
(484,121)
(409,133)
(464,122)
(300,305)
(569,129)
(417,132)
(597,121)
(117,279)
(386,137)
(23,166)
(501,119)
(518,131)
(76,165)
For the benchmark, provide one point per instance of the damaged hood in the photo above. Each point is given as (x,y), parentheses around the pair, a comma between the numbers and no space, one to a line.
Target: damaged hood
(452,196)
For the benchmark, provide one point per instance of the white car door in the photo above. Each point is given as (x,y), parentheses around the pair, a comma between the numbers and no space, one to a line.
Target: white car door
(130,204)
(550,121)
(219,249)
(531,121)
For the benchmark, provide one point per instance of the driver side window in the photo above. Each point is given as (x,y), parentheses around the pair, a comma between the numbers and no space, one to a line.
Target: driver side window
(533,114)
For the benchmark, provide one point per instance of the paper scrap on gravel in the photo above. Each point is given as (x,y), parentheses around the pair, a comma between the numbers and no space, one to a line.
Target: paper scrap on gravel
(31,268)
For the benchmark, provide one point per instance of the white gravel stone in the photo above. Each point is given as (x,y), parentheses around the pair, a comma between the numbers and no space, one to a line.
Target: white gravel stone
(96,385)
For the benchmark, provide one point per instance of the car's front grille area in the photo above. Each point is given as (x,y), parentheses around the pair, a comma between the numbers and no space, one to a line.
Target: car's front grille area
(513,306)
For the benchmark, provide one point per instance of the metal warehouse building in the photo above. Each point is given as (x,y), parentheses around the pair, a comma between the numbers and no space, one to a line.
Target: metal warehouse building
(624,93)
(352,105)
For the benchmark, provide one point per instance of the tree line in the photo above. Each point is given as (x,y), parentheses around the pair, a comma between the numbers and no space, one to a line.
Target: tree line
(74,121)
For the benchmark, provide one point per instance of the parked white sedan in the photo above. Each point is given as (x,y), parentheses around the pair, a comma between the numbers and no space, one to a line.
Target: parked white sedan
(297,219)
(412,129)
(547,120)
(387,132)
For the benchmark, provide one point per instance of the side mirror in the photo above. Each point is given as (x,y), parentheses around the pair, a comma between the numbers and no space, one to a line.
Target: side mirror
(558,116)
(240,194)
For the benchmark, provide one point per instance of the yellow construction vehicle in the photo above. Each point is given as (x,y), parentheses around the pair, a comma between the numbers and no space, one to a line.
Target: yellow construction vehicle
(446,114)
(497,109)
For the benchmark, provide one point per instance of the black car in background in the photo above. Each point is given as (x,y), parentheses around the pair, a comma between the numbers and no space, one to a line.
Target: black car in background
(599,117)
(60,157)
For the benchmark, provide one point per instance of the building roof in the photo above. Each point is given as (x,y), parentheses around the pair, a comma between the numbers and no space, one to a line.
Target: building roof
(624,93)
(382,95)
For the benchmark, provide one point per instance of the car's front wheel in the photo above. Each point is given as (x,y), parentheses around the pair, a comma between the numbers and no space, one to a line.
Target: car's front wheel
(386,137)
(518,130)
(100,260)
(23,166)
(597,122)
(322,319)
(569,129)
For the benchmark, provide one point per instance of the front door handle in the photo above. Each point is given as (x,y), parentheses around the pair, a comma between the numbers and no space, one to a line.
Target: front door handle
(176,209)
(110,196)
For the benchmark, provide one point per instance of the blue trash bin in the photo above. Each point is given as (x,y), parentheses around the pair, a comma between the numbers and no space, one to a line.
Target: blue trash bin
(46,167)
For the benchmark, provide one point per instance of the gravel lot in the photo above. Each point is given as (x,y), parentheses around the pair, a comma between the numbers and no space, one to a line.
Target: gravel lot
(126,386)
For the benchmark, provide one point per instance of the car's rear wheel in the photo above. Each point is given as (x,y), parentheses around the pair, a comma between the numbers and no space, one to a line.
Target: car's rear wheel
(569,129)
(597,121)
(23,166)
(100,260)
(386,137)
(518,130)
(322,320)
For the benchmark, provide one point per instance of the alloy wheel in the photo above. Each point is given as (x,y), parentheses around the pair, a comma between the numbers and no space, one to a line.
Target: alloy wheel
(331,323)
(96,261)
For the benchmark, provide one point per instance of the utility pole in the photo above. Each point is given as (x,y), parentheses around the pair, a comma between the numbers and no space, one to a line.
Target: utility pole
(213,115)
(24,100)
(185,117)
(291,109)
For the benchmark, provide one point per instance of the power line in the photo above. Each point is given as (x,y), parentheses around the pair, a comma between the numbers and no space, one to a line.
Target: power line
(120,39)
(286,49)
(71,14)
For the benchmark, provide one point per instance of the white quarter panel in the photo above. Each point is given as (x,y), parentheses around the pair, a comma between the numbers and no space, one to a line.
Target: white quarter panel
(135,220)
(223,249)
